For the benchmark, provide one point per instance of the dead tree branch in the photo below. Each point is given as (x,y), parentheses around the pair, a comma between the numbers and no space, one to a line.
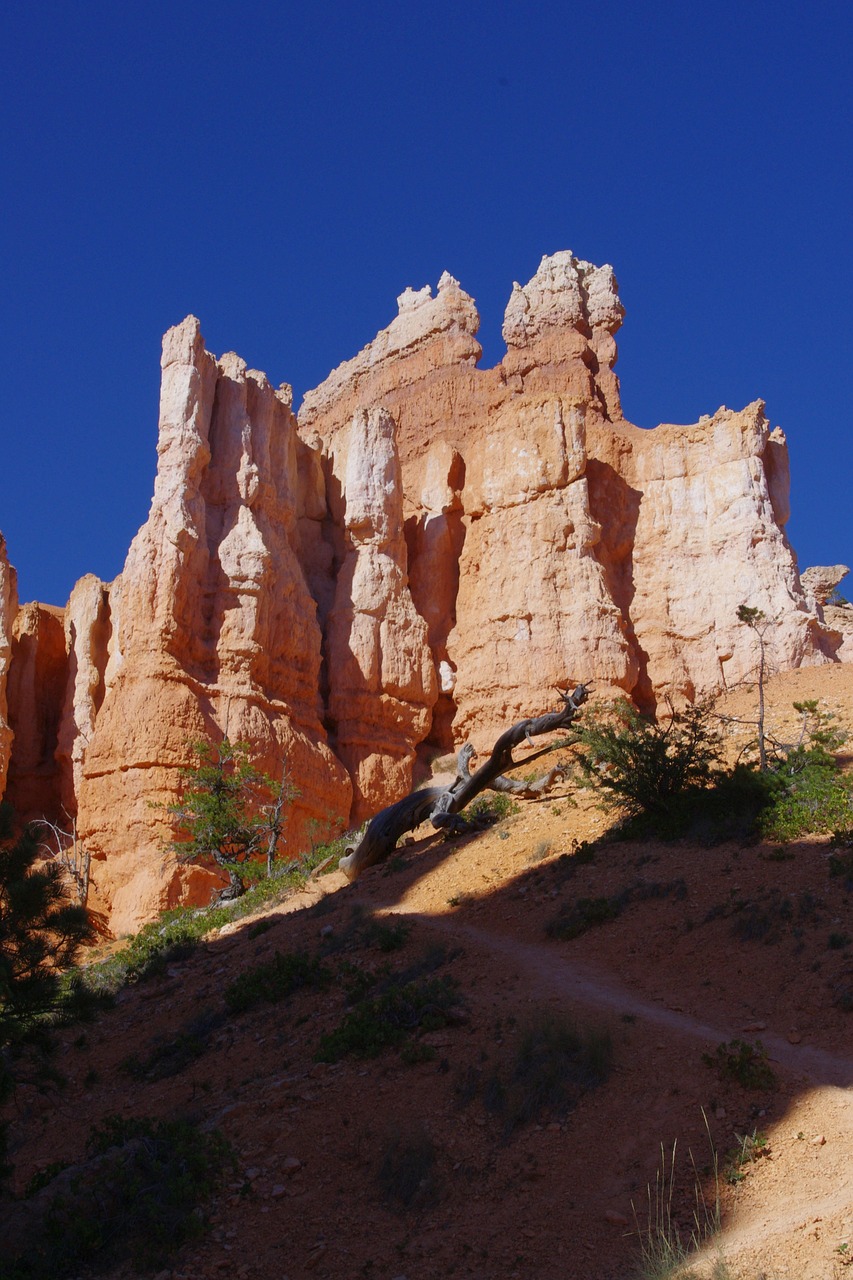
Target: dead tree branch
(441,805)
(65,847)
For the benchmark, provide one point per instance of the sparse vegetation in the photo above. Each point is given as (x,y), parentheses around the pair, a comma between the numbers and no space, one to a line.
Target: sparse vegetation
(275,980)
(576,918)
(41,933)
(666,776)
(744,1063)
(407,1169)
(750,1148)
(554,1063)
(490,808)
(134,1201)
(387,1019)
(171,1055)
(175,934)
(666,1246)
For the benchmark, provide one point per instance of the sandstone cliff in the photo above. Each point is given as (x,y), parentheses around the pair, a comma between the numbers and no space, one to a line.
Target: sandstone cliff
(549,538)
(35,690)
(382,680)
(216,632)
(8,609)
(420,561)
(820,584)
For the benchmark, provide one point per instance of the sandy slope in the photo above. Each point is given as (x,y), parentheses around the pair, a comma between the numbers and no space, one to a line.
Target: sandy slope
(714,943)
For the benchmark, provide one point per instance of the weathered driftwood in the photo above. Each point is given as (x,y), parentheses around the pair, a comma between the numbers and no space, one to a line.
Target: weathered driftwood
(441,805)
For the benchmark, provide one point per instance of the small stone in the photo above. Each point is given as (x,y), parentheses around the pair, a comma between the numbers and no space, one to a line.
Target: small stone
(278,1191)
(819,1140)
(326,931)
(617,1218)
(794,1036)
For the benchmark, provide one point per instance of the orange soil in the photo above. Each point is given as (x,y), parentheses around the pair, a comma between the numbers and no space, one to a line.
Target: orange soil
(676,974)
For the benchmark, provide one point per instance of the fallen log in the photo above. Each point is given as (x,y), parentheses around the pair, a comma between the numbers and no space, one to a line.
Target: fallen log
(441,805)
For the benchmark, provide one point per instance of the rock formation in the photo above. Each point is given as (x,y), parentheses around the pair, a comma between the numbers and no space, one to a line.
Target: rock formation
(216,633)
(35,691)
(421,560)
(382,679)
(549,538)
(8,609)
(820,584)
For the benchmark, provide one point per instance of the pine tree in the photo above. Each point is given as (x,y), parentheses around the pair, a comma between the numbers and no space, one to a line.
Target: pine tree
(229,812)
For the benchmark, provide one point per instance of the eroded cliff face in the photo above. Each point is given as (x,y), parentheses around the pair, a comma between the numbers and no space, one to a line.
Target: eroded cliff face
(36,685)
(8,609)
(550,540)
(215,633)
(382,679)
(431,552)
(820,584)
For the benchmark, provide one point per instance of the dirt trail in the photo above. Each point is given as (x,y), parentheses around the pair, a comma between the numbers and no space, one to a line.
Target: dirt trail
(550,973)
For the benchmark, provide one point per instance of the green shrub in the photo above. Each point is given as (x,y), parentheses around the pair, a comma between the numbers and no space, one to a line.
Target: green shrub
(171,1055)
(555,1063)
(496,806)
(810,796)
(275,980)
(41,933)
(387,1019)
(586,913)
(742,1062)
(133,1202)
(645,765)
(229,812)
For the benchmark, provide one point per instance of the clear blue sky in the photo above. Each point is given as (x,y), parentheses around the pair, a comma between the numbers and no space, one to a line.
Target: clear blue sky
(284,171)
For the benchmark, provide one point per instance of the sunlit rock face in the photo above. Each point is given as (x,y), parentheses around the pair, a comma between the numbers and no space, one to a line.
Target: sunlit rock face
(549,539)
(421,561)
(382,677)
(820,584)
(215,633)
(705,506)
(504,557)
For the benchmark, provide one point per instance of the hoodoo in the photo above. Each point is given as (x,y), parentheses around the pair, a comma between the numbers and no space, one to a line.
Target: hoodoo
(419,560)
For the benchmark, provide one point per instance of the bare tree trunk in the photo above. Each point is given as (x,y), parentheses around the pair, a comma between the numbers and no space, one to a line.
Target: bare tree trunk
(441,805)
(70,853)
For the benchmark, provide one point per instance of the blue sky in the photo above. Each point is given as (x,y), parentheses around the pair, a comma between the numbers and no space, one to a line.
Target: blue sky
(284,171)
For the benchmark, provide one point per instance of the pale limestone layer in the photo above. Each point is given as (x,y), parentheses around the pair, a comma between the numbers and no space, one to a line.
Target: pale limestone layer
(706,507)
(8,609)
(88,637)
(533,609)
(820,584)
(382,679)
(215,632)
